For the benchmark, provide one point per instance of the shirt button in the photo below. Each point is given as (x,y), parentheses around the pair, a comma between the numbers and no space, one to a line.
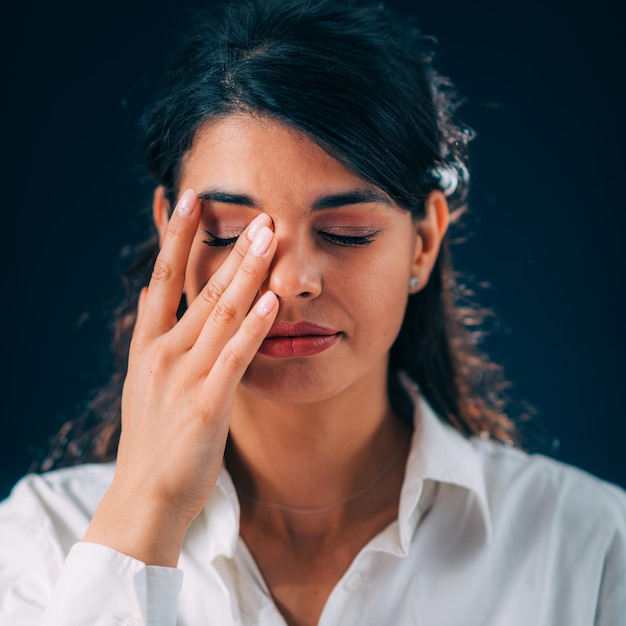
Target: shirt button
(354,581)
(132,621)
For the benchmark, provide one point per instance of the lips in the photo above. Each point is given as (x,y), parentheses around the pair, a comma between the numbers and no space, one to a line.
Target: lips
(298,340)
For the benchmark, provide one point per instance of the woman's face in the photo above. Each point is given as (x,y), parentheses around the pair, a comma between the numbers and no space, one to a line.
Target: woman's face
(345,253)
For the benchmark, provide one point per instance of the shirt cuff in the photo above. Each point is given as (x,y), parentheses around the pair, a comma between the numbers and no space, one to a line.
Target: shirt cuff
(99,585)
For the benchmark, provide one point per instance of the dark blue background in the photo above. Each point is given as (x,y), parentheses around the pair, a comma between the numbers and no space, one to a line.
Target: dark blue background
(544,92)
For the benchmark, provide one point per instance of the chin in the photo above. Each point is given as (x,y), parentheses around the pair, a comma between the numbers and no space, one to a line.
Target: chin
(292,382)
(310,380)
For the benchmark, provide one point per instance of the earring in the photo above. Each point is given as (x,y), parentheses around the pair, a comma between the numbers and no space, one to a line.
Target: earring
(414,282)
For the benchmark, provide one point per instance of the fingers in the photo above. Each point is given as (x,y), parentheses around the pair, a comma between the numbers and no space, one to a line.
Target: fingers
(160,303)
(140,302)
(203,305)
(216,314)
(239,351)
(233,304)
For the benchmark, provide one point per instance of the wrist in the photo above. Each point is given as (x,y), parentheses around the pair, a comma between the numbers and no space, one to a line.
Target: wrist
(139,527)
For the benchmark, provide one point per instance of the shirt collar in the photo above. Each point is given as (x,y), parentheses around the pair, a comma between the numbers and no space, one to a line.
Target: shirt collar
(439,455)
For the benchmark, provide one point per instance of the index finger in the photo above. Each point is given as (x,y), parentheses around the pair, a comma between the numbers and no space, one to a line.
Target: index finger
(168,276)
(198,311)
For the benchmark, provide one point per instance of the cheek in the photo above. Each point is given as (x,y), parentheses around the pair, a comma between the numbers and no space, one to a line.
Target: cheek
(378,293)
(389,306)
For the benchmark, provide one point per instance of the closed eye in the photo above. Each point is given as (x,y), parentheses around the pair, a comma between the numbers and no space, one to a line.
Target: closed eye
(341,240)
(349,240)
(219,242)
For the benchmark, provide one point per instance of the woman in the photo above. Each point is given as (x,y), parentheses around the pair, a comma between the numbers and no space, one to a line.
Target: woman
(308,434)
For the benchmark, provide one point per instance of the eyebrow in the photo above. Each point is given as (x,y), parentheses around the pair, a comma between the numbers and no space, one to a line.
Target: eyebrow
(355,196)
(331,201)
(227,198)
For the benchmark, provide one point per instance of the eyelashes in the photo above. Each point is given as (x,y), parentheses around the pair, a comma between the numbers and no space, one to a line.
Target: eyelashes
(346,240)
(219,242)
(339,240)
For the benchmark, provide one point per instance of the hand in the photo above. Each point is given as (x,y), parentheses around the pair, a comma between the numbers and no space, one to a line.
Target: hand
(178,394)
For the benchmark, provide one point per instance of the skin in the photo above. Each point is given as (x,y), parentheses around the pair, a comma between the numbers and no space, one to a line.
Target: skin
(304,431)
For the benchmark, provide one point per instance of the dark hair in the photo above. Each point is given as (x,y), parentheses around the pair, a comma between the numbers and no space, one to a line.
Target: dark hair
(359,81)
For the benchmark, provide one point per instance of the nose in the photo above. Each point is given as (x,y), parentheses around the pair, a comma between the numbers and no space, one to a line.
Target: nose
(294,273)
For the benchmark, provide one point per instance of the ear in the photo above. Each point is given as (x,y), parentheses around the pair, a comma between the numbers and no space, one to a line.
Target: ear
(160,212)
(429,233)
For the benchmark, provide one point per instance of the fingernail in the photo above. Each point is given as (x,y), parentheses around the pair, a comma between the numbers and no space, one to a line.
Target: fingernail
(265,305)
(187,202)
(259,221)
(262,241)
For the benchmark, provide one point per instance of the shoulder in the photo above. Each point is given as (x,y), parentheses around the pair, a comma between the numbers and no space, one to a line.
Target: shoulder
(82,484)
(57,504)
(507,468)
(539,490)
(561,526)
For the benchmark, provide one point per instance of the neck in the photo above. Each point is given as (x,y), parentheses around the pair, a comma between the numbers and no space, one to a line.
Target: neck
(315,457)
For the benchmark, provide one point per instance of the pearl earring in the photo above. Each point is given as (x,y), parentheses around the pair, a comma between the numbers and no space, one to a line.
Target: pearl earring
(414,282)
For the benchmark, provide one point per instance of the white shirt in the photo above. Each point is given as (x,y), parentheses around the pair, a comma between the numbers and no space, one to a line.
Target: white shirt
(486,535)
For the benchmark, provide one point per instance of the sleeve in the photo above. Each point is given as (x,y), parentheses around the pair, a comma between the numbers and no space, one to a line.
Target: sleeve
(101,586)
(611,608)
(97,586)
(48,577)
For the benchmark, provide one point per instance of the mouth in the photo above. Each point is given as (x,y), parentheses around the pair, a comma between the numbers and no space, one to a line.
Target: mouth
(298,340)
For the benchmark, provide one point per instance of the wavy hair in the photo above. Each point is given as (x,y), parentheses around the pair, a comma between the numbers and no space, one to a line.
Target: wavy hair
(359,81)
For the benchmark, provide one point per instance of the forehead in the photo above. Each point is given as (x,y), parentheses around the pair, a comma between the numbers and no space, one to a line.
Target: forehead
(251,153)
